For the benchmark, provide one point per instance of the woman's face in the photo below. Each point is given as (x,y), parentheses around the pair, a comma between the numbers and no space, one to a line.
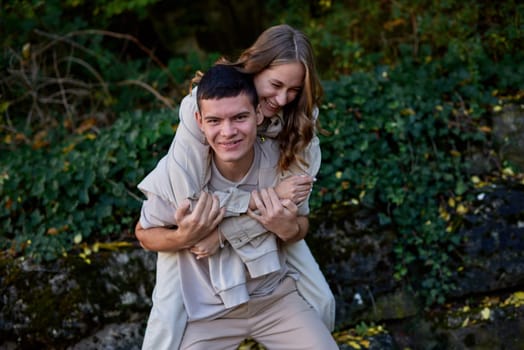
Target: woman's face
(278,85)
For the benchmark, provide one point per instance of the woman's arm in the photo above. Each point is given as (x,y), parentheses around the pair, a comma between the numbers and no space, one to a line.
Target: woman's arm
(296,188)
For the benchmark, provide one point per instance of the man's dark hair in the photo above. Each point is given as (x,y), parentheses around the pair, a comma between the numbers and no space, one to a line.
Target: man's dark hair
(225,81)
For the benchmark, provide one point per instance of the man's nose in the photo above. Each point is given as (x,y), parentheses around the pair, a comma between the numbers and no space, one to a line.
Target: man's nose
(229,129)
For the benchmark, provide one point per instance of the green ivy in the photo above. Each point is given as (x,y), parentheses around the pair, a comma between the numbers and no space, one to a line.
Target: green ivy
(81,188)
(399,143)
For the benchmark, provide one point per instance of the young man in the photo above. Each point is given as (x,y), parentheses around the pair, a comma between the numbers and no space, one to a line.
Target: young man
(268,307)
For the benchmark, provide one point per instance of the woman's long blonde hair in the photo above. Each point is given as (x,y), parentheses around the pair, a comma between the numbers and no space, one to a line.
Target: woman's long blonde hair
(282,44)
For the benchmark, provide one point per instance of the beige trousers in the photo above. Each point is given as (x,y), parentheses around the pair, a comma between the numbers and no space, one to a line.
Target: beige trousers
(280,321)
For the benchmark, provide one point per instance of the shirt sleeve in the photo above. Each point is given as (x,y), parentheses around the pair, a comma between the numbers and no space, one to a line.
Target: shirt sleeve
(313,158)
(156,212)
(188,156)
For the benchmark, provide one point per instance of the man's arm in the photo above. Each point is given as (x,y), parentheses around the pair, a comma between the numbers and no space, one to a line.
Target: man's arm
(160,239)
(192,226)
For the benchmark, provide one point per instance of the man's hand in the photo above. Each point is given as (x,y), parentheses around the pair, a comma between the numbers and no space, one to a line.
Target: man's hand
(192,227)
(207,246)
(197,224)
(277,216)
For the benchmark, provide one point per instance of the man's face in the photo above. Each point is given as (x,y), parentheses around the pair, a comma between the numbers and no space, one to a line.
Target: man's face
(230,127)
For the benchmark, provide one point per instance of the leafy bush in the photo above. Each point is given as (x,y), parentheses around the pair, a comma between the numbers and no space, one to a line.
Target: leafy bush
(400,142)
(56,70)
(351,36)
(411,84)
(83,187)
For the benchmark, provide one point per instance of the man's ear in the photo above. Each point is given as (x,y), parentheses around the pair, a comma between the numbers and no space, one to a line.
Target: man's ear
(259,115)
(198,118)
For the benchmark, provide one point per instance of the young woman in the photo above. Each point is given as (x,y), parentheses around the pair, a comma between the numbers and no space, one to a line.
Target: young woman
(282,64)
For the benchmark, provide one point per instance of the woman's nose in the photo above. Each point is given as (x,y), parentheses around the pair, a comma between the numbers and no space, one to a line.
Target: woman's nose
(281,98)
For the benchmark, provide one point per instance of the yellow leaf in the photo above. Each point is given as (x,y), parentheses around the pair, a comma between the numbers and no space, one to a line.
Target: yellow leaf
(354,345)
(26,51)
(461,209)
(113,245)
(85,125)
(52,231)
(78,238)
(519,295)
(4,106)
(407,111)
(69,148)
(485,313)
(465,322)
(391,25)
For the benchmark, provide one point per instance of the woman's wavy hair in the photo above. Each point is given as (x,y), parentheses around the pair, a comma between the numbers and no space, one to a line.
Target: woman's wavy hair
(277,45)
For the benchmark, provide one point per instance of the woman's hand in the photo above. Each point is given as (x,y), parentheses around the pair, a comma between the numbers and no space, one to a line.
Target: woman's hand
(295,188)
(277,216)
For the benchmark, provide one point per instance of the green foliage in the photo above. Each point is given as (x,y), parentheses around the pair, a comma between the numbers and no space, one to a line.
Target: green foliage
(408,88)
(72,77)
(350,36)
(22,17)
(82,187)
(400,142)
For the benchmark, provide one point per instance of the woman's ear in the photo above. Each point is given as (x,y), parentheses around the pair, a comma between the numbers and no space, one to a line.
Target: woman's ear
(259,115)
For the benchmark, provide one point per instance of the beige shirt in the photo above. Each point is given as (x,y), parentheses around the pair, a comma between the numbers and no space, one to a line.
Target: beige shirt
(184,171)
(212,286)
